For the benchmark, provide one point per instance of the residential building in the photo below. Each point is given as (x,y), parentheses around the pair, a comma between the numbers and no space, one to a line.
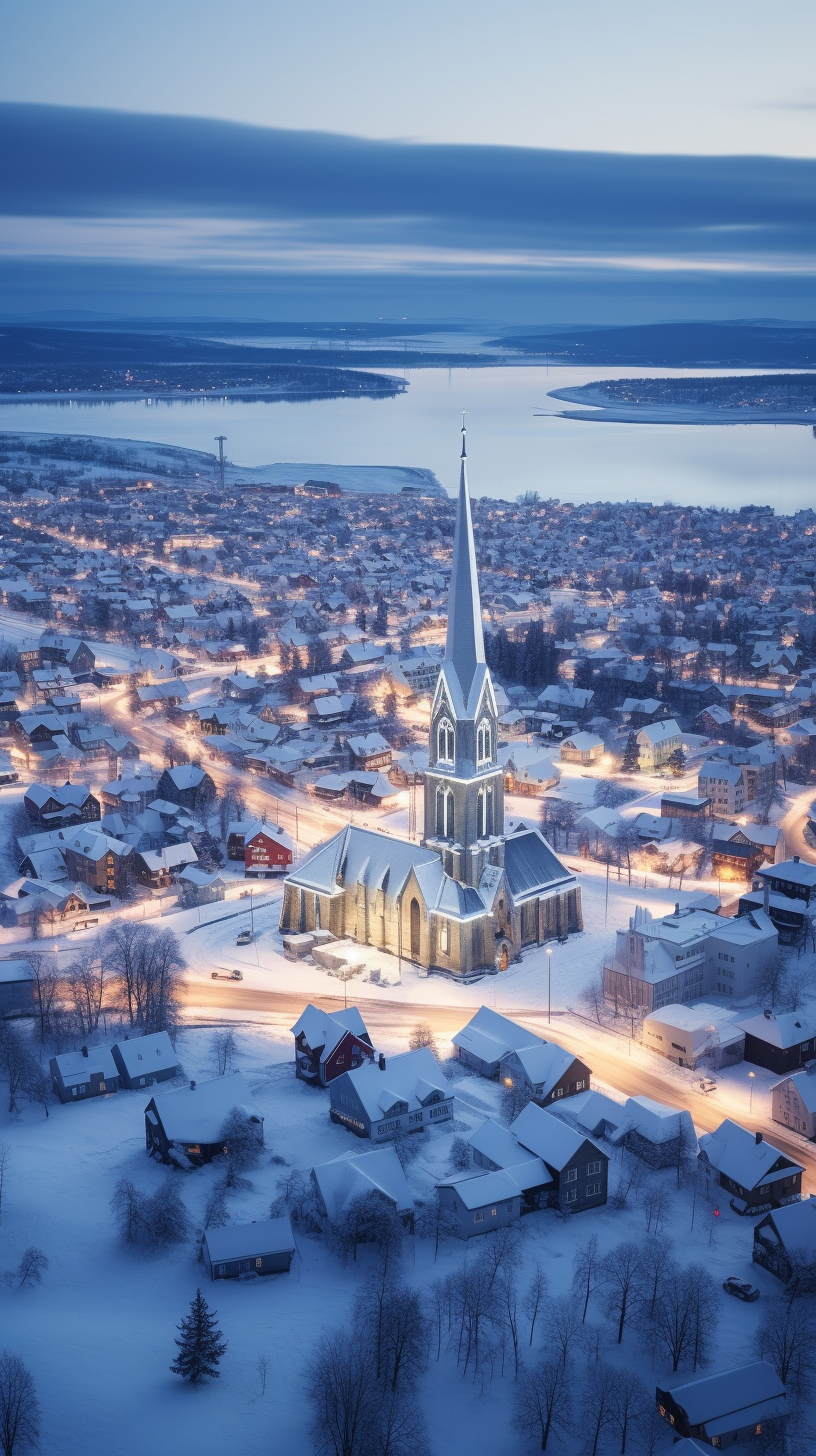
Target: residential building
(793,1101)
(187,785)
(91,1072)
(52,807)
(751,1170)
(478,1203)
(780,1041)
(684,956)
(577,1166)
(488,1038)
(184,1126)
(141,1061)
(723,1408)
(383,1099)
(738,850)
(545,1071)
(585,748)
(784,891)
(376,1170)
(98,860)
(691,1035)
(16,988)
(656,743)
(243,1249)
(785,1242)
(329,1044)
(724,784)
(685,806)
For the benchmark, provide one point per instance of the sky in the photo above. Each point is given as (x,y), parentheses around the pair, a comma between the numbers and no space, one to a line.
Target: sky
(530,162)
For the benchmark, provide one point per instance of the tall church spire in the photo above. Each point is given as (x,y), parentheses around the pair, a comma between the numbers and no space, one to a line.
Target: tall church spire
(464,645)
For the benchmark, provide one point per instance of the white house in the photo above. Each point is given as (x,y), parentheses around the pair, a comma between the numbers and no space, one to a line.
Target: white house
(688,1035)
(583,748)
(657,742)
(793,1101)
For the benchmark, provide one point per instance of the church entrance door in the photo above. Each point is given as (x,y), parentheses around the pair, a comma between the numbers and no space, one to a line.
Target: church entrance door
(414,930)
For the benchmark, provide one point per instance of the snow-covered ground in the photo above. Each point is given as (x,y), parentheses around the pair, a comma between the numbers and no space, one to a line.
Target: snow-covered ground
(98,1334)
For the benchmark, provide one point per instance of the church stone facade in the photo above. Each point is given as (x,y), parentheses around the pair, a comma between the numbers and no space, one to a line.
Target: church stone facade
(469,896)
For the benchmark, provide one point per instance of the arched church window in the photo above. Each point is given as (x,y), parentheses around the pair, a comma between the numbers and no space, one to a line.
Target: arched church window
(484,813)
(484,743)
(444,814)
(445,742)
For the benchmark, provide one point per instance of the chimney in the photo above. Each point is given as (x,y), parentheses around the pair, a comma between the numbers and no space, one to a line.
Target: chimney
(84,1051)
(759,1137)
(677,907)
(192,1086)
(381,1062)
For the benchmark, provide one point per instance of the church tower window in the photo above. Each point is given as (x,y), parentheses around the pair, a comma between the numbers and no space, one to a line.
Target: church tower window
(444,814)
(484,743)
(445,742)
(484,813)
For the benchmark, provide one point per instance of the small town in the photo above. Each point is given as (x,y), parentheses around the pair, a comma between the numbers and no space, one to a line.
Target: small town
(262,775)
(407,729)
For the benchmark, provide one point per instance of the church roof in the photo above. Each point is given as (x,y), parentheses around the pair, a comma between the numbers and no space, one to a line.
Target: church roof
(365,857)
(464,644)
(530,864)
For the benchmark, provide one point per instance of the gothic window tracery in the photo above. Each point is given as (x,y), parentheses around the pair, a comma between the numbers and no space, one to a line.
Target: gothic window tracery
(445,742)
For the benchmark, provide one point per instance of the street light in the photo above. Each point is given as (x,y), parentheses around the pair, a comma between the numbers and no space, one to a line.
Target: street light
(549,984)
(751,1076)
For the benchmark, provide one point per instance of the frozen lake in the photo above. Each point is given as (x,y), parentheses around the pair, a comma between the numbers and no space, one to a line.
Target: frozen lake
(511,449)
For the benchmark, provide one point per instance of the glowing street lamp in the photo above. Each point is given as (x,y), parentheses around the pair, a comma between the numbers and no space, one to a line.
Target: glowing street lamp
(751,1076)
(549,984)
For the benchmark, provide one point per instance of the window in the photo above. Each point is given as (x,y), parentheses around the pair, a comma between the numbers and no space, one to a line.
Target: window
(484,743)
(509,1207)
(222,1269)
(493,1212)
(593,1168)
(592,1190)
(444,937)
(571,1195)
(258,1263)
(445,742)
(579,1086)
(478,1218)
(570,1175)
(445,821)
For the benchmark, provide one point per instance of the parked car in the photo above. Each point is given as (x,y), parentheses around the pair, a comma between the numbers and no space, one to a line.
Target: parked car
(741,1289)
(707,1084)
(228,975)
(245,938)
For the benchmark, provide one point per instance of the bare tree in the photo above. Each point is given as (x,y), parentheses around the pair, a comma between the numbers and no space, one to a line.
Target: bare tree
(621,1274)
(19,1407)
(770,980)
(46,984)
(37,1084)
(563,1325)
(31,1267)
(629,1402)
(369,1218)
(591,999)
(154,1222)
(786,1339)
(421,1035)
(586,1271)
(703,1306)
(599,1390)
(125,1206)
(514,1099)
(14,1061)
(298,1196)
(507,1293)
(262,1366)
(223,1050)
(541,1401)
(87,978)
(655,1204)
(534,1297)
(500,1251)
(5,1152)
(436,1222)
(146,964)
(674,1315)
(655,1259)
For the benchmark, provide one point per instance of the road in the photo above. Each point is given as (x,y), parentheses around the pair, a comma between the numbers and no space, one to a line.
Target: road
(610,1063)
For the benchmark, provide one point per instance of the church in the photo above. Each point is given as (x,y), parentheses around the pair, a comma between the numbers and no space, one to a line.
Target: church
(469,896)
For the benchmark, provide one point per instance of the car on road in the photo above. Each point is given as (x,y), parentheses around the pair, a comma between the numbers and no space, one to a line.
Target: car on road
(228,975)
(741,1289)
(706,1084)
(245,938)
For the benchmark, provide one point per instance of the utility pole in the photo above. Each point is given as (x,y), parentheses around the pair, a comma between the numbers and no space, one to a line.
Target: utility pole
(221,439)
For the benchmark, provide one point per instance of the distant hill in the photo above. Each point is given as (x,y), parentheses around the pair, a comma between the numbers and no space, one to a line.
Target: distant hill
(772,344)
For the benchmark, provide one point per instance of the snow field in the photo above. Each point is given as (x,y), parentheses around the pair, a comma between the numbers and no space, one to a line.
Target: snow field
(98,1333)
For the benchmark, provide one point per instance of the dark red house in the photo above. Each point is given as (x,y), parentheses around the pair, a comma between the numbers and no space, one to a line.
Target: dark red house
(268,851)
(326,1045)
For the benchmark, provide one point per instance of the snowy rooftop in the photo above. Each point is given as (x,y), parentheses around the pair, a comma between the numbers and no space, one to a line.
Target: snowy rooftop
(248,1240)
(197,1114)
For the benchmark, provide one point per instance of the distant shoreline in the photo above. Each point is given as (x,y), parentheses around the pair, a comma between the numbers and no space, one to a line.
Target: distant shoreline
(597,409)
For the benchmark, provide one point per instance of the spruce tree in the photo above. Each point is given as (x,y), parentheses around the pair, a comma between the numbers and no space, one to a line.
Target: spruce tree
(201,1345)
(631,755)
(360,620)
(381,619)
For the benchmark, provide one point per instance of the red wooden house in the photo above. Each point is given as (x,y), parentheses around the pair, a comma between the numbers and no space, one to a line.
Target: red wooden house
(327,1045)
(268,851)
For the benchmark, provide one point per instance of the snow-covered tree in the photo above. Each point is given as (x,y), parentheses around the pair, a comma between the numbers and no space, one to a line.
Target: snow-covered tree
(19,1407)
(201,1346)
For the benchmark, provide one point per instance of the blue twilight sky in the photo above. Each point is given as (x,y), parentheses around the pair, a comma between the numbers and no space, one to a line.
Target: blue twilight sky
(523,161)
